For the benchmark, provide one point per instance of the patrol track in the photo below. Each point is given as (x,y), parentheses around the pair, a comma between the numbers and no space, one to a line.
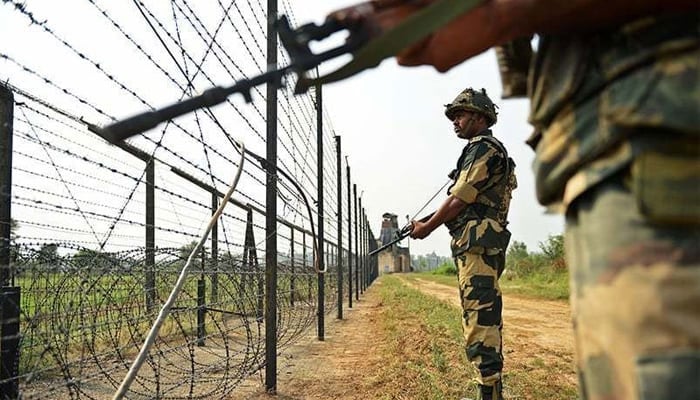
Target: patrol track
(537,335)
(538,350)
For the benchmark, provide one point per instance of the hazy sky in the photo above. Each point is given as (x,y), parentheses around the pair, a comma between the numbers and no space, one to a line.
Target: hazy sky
(401,146)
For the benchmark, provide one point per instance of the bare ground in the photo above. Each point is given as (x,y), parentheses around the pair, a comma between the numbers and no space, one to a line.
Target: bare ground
(537,344)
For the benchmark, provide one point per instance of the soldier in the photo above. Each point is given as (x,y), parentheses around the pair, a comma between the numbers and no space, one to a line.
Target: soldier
(476,214)
(614,93)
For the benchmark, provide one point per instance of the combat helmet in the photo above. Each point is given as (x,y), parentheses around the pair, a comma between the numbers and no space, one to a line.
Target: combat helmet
(472,100)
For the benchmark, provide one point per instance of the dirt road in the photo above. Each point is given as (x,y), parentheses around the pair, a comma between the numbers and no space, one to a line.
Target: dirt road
(537,341)
(537,333)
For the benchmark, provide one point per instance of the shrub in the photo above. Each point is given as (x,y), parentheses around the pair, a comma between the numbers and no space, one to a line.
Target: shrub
(447,268)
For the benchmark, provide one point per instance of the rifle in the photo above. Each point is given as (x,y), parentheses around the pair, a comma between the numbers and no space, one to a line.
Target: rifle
(366,54)
(399,235)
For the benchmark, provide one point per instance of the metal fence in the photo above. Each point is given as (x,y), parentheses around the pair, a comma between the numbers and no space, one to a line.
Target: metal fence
(94,236)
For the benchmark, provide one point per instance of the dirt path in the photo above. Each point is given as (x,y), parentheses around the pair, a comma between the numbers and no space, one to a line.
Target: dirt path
(537,333)
(340,367)
(537,341)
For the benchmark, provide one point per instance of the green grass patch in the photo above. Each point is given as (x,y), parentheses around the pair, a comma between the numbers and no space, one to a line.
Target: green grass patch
(425,355)
(546,283)
(424,352)
(533,279)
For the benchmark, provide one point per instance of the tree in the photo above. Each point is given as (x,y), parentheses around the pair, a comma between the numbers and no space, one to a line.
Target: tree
(186,250)
(553,250)
(48,255)
(88,259)
(517,250)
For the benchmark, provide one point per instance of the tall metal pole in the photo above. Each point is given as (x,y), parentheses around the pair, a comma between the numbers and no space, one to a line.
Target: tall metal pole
(321,238)
(349,240)
(365,269)
(150,236)
(271,209)
(9,295)
(7,104)
(361,248)
(339,252)
(214,252)
(292,276)
(366,244)
(357,247)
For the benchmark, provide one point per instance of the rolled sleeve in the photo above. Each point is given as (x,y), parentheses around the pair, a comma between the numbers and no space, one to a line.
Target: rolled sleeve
(463,190)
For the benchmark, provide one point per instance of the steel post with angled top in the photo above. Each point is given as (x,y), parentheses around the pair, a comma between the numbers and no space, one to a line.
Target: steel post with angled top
(350,263)
(9,295)
(271,209)
(339,207)
(321,262)
(357,247)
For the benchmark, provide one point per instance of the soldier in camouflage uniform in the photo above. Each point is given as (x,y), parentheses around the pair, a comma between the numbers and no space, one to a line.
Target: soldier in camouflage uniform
(476,214)
(615,99)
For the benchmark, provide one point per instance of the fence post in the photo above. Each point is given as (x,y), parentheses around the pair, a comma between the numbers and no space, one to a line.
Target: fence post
(349,239)
(365,243)
(320,257)
(214,252)
(361,248)
(150,271)
(6,121)
(9,295)
(304,255)
(271,209)
(357,247)
(292,278)
(201,301)
(250,267)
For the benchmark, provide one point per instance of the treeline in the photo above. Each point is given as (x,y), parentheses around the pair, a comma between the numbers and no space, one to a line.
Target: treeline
(429,262)
(541,273)
(549,257)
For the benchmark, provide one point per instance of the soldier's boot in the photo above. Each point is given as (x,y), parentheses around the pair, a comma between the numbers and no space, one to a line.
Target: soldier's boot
(494,392)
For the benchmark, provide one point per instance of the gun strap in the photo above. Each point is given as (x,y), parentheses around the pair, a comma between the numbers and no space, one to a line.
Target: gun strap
(416,27)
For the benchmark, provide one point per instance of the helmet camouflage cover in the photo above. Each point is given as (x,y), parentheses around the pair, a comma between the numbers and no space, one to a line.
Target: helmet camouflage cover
(472,100)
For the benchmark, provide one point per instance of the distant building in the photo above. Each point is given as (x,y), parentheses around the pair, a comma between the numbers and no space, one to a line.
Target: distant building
(394,258)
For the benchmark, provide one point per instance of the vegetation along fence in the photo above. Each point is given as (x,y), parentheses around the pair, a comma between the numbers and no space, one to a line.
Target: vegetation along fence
(95,236)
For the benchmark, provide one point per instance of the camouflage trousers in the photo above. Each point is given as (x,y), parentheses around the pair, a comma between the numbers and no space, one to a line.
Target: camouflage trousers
(481,312)
(635,295)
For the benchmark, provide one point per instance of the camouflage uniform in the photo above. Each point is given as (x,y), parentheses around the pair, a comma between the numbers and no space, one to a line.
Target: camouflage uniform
(617,128)
(484,179)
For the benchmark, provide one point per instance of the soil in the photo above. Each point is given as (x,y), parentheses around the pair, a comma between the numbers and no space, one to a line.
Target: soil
(537,340)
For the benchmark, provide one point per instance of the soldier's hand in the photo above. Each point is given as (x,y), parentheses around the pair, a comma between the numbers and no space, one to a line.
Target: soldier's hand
(419,230)
(467,36)
(377,16)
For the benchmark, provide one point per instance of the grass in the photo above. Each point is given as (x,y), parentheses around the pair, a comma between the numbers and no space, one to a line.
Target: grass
(544,282)
(425,354)
(422,336)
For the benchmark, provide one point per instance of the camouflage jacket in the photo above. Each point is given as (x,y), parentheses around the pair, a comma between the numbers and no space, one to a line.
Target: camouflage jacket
(599,100)
(484,179)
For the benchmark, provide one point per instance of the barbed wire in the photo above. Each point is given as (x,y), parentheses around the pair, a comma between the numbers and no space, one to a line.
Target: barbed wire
(102,231)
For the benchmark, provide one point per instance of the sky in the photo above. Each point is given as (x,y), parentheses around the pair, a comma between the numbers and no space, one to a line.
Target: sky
(399,144)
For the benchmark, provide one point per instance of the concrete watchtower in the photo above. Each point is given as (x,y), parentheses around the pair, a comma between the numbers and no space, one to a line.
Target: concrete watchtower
(394,258)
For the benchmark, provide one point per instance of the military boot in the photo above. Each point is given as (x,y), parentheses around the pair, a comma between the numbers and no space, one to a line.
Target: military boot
(494,392)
